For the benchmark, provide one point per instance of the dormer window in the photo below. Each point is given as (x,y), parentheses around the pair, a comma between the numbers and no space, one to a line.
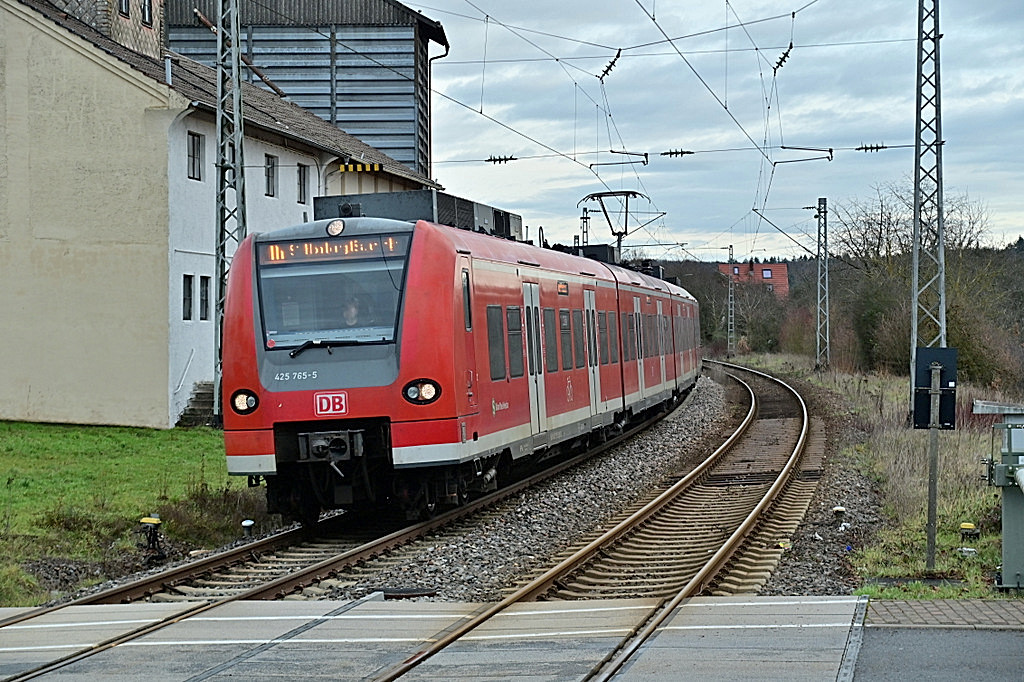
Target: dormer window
(123,8)
(147,12)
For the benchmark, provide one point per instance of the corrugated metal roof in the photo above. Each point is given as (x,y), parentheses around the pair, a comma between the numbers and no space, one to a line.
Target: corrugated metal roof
(198,83)
(310,13)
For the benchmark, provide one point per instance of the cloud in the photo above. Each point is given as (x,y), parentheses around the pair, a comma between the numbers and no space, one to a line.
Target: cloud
(850,79)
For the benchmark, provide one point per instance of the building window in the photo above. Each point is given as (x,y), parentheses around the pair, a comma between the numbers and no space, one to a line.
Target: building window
(147,12)
(195,156)
(270,166)
(735,269)
(186,297)
(204,298)
(303,182)
(766,274)
(122,7)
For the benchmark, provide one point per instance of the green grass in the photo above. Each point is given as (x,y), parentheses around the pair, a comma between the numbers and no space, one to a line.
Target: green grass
(894,458)
(76,493)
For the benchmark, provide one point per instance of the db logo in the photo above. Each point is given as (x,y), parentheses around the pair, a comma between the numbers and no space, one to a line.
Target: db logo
(329,404)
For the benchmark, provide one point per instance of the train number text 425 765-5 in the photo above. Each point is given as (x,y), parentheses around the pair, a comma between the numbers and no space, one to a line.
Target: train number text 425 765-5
(294,376)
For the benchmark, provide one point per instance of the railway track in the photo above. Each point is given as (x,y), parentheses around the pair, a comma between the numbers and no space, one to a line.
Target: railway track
(276,567)
(691,537)
(596,570)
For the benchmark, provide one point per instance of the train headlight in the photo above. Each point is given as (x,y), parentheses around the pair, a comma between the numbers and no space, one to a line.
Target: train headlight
(421,391)
(335,227)
(244,401)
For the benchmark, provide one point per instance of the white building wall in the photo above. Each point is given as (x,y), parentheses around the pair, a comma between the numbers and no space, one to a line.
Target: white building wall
(193,238)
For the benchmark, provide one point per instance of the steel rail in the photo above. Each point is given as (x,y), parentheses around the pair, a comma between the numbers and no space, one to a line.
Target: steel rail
(722,556)
(543,582)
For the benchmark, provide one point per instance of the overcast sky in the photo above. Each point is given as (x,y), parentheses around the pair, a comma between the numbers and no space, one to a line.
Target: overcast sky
(522,80)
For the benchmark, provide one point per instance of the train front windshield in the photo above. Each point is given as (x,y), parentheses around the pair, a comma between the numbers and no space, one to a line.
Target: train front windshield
(342,290)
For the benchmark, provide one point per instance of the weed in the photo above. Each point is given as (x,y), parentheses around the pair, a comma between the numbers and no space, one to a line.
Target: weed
(17,588)
(895,458)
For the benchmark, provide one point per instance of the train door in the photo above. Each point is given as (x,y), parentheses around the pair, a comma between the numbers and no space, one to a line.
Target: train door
(468,349)
(638,339)
(662,342)
(593,367)
(535,358)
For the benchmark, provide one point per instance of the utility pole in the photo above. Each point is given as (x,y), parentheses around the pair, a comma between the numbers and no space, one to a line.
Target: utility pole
(231,227)
(730,348)
(928,319)
(823,354)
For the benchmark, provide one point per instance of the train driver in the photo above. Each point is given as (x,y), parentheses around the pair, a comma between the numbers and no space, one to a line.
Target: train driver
(350,312)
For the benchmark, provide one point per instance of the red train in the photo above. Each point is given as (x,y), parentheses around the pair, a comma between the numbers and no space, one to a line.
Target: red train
(370,361)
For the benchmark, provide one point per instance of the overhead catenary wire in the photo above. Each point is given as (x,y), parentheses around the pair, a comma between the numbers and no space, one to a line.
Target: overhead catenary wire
(611,128)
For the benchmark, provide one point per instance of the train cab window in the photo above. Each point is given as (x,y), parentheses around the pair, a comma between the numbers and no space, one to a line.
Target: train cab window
(602,332)
(579,343)
(565,327)
(496,342)
(317,291)
(515,341)
(467,311)
(550,340)
(613,339)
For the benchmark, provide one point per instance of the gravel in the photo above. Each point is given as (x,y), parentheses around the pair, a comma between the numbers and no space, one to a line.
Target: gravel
(529,532)
(526,532)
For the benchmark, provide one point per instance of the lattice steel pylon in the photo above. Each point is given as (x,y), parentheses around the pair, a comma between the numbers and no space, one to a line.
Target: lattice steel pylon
(823,355)
(231,227)
(928,319)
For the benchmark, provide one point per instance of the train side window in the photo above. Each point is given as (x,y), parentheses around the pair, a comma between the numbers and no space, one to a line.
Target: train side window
(602,332)
(625,338)
(467,311)
(579,343)
(565,327)
(592,338)
(515,341)
(550,340)
(613,338)
(496,342)
(634,347)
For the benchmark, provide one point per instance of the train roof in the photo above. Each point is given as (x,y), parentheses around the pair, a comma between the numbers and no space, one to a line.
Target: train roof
(489,247)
